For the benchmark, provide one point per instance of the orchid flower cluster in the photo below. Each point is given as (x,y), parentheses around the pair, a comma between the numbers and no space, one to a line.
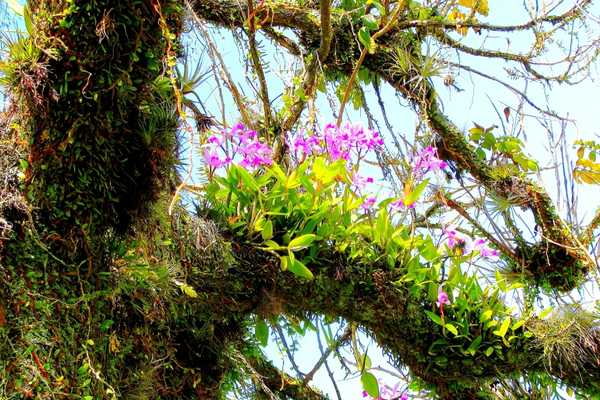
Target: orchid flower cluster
(455,240)
(424,162)
(239,145)
(427,160)
(387,393)
(350,142)
(345,142)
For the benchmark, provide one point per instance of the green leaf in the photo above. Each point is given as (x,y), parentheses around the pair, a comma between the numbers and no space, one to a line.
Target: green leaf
(267,230)
(377,4)
(476,132)
(301,242)
(285,263)
(364,36)
(370,22)
(246,178)
(105,326)
(324,172)
(517,325)
(370,384)
(28,19)
(486,315)
(545,313)
(480,153)
(273,246)
(503,328)
(434,317)
(452,329)
(414,195)
(500,281)
(474,345)
(364,363)
(261,331)
(299,269)
(488,352)
(428,250)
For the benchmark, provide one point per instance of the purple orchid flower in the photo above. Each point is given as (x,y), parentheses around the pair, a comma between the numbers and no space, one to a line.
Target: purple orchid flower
(442,299)
(483,249)
(427,160)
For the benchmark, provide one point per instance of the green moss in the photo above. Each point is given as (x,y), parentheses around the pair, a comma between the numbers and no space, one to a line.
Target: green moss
(98,119)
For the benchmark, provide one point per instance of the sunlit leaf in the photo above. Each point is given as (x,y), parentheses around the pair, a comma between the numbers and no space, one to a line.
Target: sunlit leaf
(503,328)
(267,230)
(300,270)
(370,384)
(480,6)
(301,242)
(452,329)
(261,331)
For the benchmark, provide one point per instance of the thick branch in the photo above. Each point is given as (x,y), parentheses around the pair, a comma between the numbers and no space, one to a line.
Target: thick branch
(370,296)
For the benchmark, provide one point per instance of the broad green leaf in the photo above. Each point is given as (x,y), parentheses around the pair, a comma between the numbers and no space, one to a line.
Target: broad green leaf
(278,172)
(105,326)
(474,345)
(486,316)
(301,242)
(428,250)
(370,22)
(370,384)
(267,230)
(299,269)
(246,178)
(500,281)
(490,324)
(323,172)
(261,331)
(273,246)
(476,132)
(377,4)
(293,181)
(364,36)
(451,328)
(517,325)
(285,263)
(489,351)
(503,328)
(434,317)
(380,234)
